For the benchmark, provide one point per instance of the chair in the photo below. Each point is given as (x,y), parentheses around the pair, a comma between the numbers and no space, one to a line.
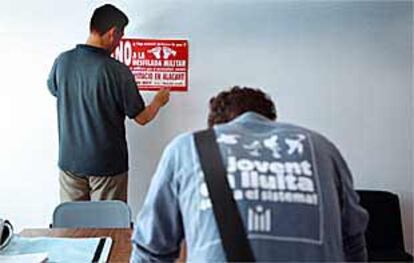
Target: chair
(92,214)
(384,235)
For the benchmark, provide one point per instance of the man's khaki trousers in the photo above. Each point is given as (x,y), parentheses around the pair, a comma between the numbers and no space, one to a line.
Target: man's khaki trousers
(86,188)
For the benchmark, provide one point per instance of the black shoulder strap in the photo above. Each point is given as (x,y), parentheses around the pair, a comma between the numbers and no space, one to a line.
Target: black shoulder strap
(233,236)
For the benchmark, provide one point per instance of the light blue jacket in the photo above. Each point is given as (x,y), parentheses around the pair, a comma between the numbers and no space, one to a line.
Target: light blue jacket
(293,189)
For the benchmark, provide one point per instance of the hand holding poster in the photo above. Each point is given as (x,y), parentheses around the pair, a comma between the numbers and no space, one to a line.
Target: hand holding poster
(156,63)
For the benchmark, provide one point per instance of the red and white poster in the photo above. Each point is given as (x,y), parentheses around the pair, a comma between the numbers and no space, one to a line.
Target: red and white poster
(156,63)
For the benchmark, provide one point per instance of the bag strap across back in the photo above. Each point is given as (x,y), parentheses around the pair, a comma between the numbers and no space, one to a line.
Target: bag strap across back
(233,236)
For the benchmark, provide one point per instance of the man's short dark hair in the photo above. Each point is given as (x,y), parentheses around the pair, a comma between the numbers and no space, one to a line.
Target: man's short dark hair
(106,17)
(227,105)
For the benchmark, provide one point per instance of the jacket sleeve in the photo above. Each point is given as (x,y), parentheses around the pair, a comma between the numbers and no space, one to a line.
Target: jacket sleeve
(354,218)
(133,103)
(51,80)
(158,230)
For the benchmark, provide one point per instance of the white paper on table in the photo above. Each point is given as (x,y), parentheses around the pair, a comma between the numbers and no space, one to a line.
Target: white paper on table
(27,258)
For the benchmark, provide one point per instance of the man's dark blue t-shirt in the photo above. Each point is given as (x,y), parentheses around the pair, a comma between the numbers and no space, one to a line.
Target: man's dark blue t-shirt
(94,94)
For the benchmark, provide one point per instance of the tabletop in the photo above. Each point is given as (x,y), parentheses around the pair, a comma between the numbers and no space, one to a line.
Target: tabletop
(121,246)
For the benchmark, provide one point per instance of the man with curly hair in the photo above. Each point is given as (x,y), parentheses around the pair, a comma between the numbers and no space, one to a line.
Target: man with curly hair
(293,191)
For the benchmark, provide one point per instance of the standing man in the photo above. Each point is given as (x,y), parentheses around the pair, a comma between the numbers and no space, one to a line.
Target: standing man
(94,94)
(292,189)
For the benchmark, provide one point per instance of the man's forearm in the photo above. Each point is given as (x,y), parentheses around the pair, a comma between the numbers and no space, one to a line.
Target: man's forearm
(142,254)
(148,114)
(355,248)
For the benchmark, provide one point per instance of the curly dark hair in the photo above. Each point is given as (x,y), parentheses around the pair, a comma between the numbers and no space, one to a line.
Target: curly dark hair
(227,105)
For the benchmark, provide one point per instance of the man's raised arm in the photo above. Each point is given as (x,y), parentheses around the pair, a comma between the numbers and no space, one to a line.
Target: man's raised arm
(149,113)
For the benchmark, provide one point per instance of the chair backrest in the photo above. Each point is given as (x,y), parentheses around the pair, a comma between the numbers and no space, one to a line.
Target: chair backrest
(92,214)
(385,227)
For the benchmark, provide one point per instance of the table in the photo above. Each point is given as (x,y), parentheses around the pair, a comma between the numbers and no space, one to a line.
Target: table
(121,246)
(121,238)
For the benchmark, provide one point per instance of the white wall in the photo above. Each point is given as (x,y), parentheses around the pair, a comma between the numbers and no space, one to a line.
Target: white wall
(341,68)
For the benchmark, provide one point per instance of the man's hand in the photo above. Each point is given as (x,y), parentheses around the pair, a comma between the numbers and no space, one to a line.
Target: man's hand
(162,97)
